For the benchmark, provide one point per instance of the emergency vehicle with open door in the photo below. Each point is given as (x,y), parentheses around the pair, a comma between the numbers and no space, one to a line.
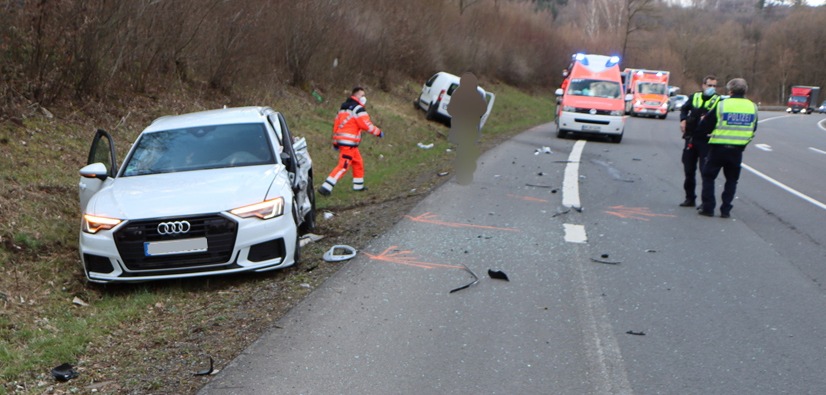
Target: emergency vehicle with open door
(593,102)
(649,92)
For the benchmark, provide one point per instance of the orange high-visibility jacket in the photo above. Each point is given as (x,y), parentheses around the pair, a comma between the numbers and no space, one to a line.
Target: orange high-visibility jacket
(351,120)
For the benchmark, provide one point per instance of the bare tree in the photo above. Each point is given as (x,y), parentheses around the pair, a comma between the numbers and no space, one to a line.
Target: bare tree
(632,13)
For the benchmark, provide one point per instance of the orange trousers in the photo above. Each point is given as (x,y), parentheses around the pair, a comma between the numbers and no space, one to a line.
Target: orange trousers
(348,158)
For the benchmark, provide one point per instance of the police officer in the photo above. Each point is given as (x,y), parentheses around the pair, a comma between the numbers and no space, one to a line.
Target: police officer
(734,122)
(696,144)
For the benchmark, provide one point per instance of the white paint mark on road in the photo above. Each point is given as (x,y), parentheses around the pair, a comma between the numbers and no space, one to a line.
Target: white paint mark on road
(780,184)
(773,118)
(575,233)
(784,187)
(570,184)
(764,147)
(601,346)
(817,150)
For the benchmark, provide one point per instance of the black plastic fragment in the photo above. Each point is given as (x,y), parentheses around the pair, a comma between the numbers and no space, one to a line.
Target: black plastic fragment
(605,262)
(498,274)
(206,372)
(636,333)
(475,280)
(64,372)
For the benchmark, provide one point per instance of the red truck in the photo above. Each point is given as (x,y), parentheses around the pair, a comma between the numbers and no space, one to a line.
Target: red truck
(803,99)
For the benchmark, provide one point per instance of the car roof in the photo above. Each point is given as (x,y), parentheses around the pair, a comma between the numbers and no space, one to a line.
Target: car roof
(211,117)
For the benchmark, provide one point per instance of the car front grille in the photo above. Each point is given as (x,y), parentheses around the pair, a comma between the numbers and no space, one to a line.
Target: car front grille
(588,111)
(219,231)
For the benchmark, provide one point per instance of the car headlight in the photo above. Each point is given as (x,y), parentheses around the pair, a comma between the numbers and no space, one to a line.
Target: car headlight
(617,113)
(664,105)
(568,108)
(265,210)
(92,223)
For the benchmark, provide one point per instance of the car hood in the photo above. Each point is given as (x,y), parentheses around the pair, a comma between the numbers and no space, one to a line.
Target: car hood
(184,193)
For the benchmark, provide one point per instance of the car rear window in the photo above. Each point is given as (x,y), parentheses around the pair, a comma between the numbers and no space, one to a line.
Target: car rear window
(199,148)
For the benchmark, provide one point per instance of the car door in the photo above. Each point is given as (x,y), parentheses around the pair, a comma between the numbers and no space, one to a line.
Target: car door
(101,167)
(427,92)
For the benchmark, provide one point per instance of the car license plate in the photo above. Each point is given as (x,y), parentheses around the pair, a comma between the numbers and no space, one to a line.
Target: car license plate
(591,128)
(185,246)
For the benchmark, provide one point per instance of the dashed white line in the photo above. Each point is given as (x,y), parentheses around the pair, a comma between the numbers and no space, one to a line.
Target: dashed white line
(570,184)
(817,150)
(570,193)
(575,233)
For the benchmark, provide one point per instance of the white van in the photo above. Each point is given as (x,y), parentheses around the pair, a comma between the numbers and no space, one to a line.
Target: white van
(592,102)
(436,93)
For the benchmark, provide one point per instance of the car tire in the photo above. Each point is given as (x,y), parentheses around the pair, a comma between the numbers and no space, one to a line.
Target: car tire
(432,111)
(617,139)
(309,219)
(560,133)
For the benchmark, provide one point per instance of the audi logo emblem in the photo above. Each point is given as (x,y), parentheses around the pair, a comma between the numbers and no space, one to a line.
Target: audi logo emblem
(173,228)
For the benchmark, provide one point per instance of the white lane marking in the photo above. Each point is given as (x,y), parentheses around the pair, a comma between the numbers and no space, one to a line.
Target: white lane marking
(780,184)
(784,186)
(764,147)
(601,347)
(570,184)
(575,233)
(817,150)
(773,118)
(821,123)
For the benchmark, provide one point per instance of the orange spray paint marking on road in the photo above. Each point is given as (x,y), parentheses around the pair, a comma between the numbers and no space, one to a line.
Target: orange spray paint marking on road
(528,198)
(634,212)
(430,219)
(402,257)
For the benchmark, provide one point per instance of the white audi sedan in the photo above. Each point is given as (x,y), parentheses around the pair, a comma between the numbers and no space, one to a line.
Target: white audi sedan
(213,192)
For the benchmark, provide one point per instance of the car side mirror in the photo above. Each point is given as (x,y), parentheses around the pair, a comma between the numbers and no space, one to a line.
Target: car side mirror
(95,170)
(629,97)
(558,92)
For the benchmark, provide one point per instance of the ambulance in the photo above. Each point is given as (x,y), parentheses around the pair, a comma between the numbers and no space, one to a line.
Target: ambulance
(649,91)
(592,103)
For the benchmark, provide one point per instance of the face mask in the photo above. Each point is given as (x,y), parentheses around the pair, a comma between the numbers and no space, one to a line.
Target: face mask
(363,100)
(710,91)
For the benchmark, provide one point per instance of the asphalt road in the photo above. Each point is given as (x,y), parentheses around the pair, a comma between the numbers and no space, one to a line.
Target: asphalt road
(627,293)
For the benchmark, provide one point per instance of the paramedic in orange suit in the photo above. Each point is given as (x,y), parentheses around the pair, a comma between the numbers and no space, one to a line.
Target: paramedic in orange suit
(352,119)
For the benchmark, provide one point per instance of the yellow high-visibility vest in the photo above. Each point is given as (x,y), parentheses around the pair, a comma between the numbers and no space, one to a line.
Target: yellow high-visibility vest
(736,118)
(697,101)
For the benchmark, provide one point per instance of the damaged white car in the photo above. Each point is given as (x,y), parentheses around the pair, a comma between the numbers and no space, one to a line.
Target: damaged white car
(213,192)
